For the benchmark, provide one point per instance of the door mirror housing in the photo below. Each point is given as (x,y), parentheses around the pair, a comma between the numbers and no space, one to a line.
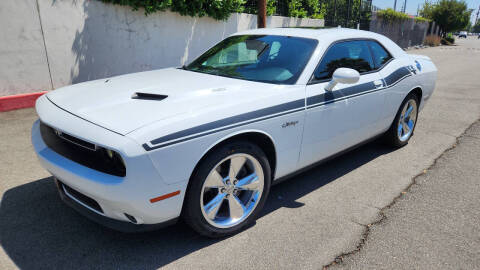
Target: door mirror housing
(343,75)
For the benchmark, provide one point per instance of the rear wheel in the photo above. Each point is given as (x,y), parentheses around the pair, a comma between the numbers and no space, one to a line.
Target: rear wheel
(404,123)
(228,190)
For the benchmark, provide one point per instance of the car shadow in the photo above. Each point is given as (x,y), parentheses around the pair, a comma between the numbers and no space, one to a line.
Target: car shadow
(38,231)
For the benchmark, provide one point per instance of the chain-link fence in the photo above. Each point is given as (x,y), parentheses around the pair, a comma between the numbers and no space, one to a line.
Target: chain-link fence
(347,13)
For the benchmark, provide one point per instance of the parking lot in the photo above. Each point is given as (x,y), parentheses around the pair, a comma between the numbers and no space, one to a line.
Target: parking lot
(307,222)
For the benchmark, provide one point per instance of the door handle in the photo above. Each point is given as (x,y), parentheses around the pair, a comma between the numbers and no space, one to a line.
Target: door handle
(378,83)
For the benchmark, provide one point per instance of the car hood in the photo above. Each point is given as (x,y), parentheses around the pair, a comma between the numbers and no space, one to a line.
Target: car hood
(109,103)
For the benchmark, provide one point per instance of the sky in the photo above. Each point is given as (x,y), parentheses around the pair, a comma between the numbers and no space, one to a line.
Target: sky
(412,5)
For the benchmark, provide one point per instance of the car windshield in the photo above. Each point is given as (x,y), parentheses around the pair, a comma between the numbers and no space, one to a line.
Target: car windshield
(264,58)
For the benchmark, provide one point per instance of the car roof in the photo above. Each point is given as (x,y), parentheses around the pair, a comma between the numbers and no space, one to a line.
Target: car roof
(326,36)
(308,32)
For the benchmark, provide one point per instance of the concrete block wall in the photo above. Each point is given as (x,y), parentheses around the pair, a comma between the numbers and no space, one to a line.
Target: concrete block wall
(46,44)
(405,33)
(23,61)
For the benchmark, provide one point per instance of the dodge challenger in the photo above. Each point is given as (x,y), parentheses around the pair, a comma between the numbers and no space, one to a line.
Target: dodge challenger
(206,141)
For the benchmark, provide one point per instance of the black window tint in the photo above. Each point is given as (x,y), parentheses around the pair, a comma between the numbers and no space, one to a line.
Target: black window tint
(349,54)
(380,55)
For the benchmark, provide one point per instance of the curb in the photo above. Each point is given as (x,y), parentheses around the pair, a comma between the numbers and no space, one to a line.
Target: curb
(9,103)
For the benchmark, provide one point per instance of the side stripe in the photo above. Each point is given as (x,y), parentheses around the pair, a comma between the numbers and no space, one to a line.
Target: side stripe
(397,75)
(276,111)
(232,120)
(148,148)
(333,96)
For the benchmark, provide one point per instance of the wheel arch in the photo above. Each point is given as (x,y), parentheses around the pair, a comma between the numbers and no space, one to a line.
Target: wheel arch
(417,90)
(260,138)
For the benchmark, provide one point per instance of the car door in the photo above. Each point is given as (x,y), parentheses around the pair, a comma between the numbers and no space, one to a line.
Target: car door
(347,115)
(393,71)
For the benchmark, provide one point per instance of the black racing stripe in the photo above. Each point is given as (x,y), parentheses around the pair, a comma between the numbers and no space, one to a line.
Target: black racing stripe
(148,148)
(275,111)
(343,98)
(397,75)
(232,120)
(340,94)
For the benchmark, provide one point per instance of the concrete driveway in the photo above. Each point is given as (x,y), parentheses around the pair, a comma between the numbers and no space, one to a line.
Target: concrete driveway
(308,221)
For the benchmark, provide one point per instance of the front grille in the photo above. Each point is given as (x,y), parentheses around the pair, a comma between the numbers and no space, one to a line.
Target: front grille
(77,141)
(82,198)
(82,152)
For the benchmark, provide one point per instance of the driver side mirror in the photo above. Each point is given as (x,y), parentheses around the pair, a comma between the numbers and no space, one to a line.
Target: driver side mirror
(343,75)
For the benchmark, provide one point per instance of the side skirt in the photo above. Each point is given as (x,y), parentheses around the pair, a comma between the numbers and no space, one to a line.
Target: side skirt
(311,166)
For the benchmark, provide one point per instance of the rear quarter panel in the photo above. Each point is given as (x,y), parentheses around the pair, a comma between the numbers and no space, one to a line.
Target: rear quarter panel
(426,76)
(413,72)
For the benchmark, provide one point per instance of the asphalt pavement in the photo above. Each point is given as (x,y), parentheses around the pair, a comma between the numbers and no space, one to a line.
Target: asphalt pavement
(308,221)
(435,223)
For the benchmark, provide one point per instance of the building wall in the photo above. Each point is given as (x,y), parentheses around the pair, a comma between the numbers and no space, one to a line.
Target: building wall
(405,33)
(23,63)
(86,40)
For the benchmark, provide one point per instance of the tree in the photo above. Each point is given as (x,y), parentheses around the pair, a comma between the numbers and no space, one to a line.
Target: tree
(427,10)
(449,15)
(469,27)
(476,27)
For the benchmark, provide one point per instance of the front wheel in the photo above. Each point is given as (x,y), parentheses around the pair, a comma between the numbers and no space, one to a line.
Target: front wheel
(227,190)
(404,123)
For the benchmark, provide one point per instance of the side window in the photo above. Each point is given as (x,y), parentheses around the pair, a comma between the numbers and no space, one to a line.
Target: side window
(349,54)
(380,55)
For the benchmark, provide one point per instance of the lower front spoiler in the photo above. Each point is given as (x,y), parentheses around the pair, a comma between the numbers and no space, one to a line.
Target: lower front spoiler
(114,224)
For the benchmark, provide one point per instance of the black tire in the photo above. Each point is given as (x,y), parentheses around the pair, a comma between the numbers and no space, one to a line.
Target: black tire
(391,136)
(192,213)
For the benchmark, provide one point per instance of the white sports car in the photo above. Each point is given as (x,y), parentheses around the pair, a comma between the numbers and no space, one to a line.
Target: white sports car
(206,141)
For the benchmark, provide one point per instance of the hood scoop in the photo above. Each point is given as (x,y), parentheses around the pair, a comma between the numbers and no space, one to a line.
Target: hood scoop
(148,96)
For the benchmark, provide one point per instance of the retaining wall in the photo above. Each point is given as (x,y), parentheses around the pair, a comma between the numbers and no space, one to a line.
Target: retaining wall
(405,33)
(46,44)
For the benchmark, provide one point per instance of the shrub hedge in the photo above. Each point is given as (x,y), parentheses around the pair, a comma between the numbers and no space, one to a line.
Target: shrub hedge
(390,15)
(450,38)
(221,9)
(421,19)
(432,40)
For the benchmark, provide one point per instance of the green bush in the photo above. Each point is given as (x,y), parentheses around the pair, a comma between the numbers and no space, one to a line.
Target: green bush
(221,9)
(271,7)
(216,9)
(421,19)
(390,15)
(314,9)
(295,9)
(450,38)
(252,9)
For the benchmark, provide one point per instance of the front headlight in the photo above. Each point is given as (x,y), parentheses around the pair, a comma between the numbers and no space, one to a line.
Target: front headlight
(114,160)
(109,153)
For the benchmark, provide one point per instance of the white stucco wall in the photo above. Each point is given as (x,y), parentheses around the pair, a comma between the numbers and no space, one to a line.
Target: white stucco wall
(23,64)
(87,39)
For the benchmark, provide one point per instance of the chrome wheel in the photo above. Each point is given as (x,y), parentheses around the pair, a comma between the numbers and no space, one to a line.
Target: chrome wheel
(232,190)
(407,119)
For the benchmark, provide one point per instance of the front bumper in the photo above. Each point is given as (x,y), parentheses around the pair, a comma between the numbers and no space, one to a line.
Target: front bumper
(105,221)
(116,196)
